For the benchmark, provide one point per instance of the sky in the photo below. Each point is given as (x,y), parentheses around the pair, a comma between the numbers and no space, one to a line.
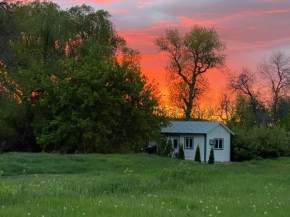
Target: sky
(251,29)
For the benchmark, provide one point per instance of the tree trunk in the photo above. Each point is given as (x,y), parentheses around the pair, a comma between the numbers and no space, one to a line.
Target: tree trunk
(190,102)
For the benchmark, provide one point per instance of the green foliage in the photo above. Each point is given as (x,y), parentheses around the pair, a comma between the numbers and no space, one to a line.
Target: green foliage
(164,147)
(211,157)
(181,155)
(197,155)
(76,94)
(285,122)
(262,141)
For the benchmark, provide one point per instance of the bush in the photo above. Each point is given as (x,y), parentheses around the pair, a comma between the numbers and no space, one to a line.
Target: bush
(259,141)
(211,157)
(197,155)
(181,152)
(164,147)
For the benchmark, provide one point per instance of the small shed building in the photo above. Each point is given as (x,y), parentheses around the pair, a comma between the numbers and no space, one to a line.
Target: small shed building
(205,134)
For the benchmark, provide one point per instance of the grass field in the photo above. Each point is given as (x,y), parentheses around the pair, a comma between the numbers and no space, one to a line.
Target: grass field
(51,185)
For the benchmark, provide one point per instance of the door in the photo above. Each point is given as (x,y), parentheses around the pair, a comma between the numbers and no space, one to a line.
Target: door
(175,144)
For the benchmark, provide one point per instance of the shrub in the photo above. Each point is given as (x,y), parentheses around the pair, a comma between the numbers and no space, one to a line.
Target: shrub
(259,141)
(164,147)
(211,157)
(197,155)
(181,152)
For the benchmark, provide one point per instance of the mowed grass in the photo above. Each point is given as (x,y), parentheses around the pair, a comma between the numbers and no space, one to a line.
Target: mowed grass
(53,185)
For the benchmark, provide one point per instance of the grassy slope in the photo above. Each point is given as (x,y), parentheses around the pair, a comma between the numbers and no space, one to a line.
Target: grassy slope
(96,185)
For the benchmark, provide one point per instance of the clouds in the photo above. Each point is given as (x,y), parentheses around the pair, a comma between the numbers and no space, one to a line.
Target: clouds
(249,28)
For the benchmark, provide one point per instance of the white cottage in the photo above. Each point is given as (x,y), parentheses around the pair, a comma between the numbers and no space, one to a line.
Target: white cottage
(205,134)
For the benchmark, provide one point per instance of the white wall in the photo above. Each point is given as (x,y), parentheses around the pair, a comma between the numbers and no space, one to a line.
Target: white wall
(197,140)
(219,133)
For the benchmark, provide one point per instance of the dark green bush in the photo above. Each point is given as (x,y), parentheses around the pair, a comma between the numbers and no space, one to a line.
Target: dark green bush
(181,152)
(211,157)
(164,147)
(197,155)
(259,141)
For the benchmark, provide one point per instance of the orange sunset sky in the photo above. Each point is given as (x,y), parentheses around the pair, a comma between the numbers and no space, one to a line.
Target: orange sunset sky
(251,29)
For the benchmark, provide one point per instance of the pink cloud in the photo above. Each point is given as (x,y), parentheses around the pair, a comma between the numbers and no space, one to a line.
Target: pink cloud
(119,11)
(102,1)
(142,4)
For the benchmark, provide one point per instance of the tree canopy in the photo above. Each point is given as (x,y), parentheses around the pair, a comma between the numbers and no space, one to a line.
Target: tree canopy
(70,83)
(190,56)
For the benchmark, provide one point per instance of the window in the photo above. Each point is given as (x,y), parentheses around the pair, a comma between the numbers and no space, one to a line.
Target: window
(188,143)
(219,144)
(175,142)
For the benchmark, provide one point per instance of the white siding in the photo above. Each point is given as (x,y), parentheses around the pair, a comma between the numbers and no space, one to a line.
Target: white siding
(219,133)
(197,140)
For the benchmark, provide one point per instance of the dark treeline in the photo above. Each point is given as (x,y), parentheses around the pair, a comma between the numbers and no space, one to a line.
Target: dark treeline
(69,83)
(260,115)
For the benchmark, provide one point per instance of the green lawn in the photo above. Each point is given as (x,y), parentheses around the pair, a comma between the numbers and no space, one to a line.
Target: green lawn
(52,185)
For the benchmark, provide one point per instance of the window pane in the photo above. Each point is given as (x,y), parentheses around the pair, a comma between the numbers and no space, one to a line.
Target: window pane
(221,144)
(190,143)
(216,144)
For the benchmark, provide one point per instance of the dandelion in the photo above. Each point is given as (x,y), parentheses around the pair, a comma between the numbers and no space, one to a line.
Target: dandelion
(210,215)
(219,212)
(169,210)
(265,213)
(64,208)
(28,213)
(84,213)
(200,201)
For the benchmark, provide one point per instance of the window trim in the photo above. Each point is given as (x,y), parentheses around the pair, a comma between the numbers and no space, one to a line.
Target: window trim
(185,138)
(223,144)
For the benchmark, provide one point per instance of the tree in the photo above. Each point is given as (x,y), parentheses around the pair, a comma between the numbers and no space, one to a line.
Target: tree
(244,83)
(197,155)
(276,71)
(190,56)
(211,157)
(76,93)
(181,152)
(226,108)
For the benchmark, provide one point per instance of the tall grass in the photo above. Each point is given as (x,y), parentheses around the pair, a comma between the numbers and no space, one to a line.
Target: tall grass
(140,185)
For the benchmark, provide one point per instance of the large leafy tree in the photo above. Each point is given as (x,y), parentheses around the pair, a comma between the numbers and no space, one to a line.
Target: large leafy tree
(76,93)
(191,55)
